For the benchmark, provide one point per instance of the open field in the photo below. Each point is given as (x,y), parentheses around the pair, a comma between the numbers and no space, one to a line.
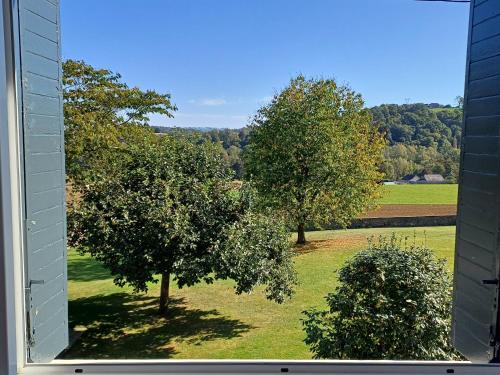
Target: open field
(210,321)
(419,194)
(415,201)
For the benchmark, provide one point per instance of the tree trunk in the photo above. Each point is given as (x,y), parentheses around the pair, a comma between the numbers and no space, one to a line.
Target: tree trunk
(164,292)
(301,234)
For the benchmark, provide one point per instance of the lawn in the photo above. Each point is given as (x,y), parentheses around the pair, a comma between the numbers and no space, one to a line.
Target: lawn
(210,321)
(419,194)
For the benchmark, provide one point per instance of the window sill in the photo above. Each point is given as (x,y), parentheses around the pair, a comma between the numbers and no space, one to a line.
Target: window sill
(257,367)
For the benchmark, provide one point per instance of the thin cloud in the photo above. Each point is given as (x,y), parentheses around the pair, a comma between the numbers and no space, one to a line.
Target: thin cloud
(209,102)
(213,102)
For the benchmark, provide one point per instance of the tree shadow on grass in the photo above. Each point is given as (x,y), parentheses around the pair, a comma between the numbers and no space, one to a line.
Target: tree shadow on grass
(336,243)
(84,269)
(123,325)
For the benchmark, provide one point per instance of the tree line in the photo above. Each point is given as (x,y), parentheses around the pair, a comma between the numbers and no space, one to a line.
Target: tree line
(233,142)
(421,138)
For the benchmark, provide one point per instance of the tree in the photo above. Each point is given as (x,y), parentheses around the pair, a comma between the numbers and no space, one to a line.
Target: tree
(393,302)
(234,160)
(313,154)
(232,140)
(101,113)
(168,209)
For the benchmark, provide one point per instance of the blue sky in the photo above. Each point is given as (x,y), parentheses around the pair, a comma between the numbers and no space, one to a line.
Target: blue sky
(222,59)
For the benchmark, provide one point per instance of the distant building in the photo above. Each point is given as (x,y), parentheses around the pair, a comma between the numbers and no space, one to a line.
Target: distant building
(410,178)
(423,179)
(433,179)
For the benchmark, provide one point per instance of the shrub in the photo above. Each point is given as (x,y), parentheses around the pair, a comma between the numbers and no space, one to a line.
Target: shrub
(393,302)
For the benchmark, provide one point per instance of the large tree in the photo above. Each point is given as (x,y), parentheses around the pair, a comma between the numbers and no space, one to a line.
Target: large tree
(102,113)
(314,154)
(169,208)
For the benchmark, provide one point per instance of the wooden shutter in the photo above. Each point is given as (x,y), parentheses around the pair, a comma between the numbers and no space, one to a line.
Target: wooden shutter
(44,178)
(475,312)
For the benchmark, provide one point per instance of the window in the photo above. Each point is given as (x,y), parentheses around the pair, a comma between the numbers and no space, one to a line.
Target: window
(33,295)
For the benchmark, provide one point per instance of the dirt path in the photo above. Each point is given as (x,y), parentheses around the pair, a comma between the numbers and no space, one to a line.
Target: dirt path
(412,210)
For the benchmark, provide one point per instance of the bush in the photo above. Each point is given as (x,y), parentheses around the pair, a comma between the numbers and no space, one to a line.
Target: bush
(393,302)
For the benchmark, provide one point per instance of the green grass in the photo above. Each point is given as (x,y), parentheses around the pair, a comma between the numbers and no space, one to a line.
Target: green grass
(419,194)
(210,321)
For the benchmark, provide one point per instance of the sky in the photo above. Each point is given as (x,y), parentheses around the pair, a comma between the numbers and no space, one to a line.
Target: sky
(223,59)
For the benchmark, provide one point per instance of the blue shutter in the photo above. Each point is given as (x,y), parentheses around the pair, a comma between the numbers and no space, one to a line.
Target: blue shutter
(44,179)
(477,258)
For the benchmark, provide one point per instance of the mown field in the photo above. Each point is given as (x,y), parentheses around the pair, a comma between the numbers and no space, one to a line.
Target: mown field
(419,194)
(210,321)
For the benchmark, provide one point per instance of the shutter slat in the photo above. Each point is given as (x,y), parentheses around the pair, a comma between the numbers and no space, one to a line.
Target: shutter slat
(477,251)
(44,179)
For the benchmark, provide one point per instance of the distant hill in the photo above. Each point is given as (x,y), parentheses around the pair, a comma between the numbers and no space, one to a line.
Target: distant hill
(416,124)
(420,124)
(422,138)
(166,129)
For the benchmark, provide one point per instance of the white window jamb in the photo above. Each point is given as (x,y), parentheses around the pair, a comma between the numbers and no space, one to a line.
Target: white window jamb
(12,329)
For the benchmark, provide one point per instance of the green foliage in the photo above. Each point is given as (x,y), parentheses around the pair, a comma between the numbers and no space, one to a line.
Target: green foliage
(419,124)
(314,154)
(101,113)
(258,248)
(168,209)
(393,302)
(233,141)
(423,138)
(401,160)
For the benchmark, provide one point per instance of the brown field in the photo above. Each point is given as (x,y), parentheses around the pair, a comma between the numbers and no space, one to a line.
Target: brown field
(412,210)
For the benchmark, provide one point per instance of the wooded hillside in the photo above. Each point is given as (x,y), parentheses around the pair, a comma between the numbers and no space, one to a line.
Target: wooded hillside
(421,138)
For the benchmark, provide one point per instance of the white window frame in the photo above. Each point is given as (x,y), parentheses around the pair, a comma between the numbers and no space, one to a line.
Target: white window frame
(13,358)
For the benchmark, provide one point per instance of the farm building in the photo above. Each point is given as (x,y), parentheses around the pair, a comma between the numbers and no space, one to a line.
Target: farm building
(423,179)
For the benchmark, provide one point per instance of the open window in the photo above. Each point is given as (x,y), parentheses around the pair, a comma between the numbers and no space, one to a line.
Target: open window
(35,31)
